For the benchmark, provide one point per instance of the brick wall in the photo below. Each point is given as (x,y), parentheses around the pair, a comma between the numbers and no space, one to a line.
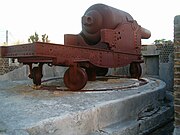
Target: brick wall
(177,69)
(177,83)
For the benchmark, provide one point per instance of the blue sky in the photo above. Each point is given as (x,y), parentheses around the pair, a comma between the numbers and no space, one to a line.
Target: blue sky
(58,17)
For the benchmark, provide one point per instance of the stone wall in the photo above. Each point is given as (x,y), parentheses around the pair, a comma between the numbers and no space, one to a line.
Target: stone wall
(5,66)
(158,63)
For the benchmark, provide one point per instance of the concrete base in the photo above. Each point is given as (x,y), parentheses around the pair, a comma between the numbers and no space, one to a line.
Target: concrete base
(128,111)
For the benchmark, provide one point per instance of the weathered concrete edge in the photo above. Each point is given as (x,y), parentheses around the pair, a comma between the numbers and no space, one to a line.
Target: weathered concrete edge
(99,116)
(141,127)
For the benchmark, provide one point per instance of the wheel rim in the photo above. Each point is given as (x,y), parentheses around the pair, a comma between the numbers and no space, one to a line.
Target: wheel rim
(75,82)
(135,70)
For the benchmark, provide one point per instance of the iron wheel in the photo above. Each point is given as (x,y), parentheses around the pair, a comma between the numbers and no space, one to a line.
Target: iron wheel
(135,70)
(75,81)
(36,76)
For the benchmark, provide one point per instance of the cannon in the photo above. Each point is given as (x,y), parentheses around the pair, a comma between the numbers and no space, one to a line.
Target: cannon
(99,17)
(109,38)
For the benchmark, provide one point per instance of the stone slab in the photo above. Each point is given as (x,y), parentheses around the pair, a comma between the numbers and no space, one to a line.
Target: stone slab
(25,111)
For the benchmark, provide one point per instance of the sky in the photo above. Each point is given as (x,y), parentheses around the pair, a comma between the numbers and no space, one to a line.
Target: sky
(23,18)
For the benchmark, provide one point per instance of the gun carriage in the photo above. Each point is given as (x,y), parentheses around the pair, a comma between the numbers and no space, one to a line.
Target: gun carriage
(110,38)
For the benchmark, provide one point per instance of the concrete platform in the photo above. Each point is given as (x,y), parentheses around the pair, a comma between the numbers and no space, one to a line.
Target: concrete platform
(125,107)
(176,130)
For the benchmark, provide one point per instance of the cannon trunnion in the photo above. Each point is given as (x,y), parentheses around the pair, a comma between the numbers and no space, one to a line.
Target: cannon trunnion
(109,38)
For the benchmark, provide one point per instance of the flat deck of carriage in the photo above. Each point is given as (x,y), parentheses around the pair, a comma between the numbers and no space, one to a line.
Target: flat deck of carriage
(110,106)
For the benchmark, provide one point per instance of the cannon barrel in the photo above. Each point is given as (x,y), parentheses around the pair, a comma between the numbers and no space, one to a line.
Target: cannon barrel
(100,16)
(145,34)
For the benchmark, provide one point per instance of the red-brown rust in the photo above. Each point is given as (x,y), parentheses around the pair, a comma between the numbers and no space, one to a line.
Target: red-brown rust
(110,38)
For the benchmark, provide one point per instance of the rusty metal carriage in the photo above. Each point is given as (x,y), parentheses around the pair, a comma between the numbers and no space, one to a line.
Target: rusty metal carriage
(110,38)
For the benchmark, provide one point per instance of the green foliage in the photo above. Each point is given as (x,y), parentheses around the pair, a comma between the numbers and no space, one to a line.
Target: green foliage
(35,38)
(162,41)
(45,38)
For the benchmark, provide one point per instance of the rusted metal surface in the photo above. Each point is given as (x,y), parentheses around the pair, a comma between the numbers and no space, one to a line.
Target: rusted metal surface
(78,80)
(135,70)
(109,38)
(102,17)
(67,55)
